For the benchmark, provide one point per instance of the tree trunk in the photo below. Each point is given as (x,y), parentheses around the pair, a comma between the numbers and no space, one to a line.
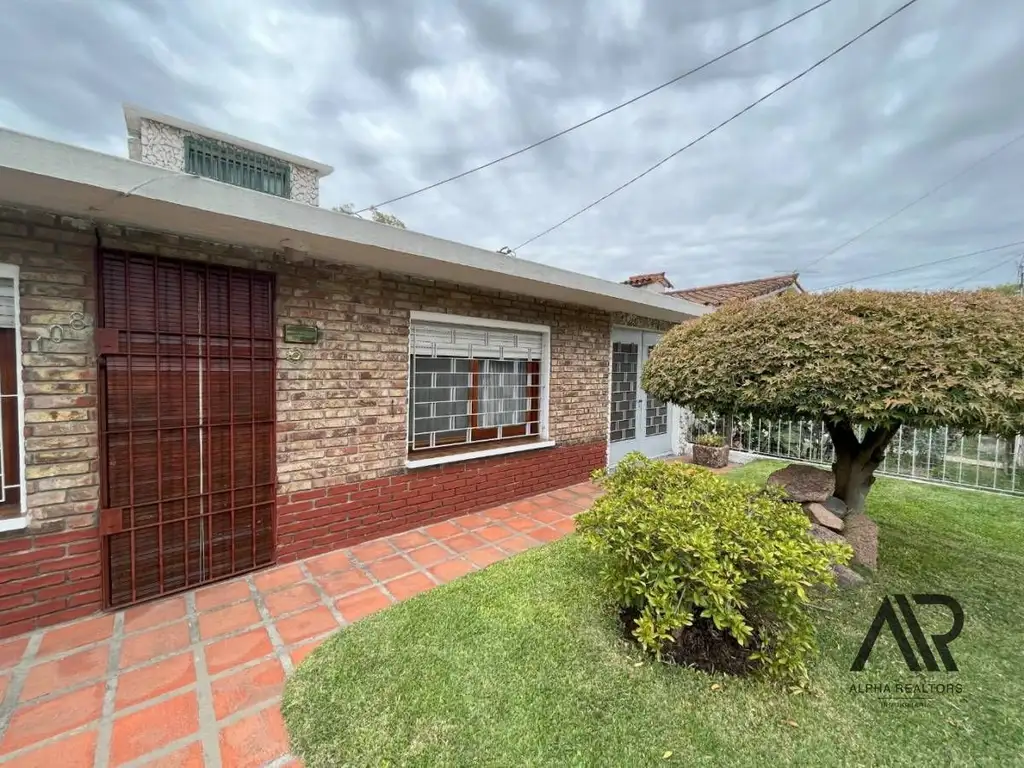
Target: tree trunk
(857,460)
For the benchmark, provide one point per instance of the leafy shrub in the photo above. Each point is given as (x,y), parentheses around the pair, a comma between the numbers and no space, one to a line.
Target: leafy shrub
(711,440)
(682,544)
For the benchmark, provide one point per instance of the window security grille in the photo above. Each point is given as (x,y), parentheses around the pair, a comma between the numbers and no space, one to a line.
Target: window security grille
(472,385)
(10,438)
(234,165)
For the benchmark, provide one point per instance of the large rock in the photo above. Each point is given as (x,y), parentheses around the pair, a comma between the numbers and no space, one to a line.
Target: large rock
(820,515)
(847,577)
(836,506)
(861,533)
(803,483)
(824,534)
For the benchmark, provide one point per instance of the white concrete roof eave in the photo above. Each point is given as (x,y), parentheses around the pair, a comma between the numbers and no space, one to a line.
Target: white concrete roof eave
(44,174)
(133,114)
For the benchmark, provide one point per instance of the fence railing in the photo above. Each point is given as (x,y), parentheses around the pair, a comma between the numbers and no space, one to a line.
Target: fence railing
(940,455)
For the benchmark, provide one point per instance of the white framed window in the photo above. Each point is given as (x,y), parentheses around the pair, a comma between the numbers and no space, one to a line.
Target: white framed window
(475,383)
(12,428)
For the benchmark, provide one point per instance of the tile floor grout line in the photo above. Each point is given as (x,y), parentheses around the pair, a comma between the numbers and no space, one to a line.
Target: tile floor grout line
(167,749)
(141,705)
(266,623)
(21,751)
(19,673)
(281,762)
(326,599)
(561,509)
(105,730)
(276,641)
(208,731)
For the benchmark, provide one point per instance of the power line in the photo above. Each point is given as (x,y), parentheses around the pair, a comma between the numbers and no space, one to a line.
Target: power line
(721,125)
(599,115)
(924,264)
(974,275)
(911,204)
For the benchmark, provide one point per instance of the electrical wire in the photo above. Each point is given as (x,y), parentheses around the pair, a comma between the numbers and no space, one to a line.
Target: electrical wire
(599,115)
(974,275)
(924,264)
(721,125)
(911,204)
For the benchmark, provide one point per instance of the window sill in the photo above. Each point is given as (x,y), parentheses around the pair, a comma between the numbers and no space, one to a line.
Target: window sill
(481,454)
(13,524)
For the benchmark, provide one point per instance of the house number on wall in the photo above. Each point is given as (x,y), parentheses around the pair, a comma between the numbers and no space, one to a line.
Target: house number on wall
(77,323)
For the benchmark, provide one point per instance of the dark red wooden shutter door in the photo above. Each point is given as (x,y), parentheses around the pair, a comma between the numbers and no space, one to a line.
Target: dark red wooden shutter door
(187,424)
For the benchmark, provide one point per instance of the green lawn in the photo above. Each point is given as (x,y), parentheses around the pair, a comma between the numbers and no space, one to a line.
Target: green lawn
(522,664)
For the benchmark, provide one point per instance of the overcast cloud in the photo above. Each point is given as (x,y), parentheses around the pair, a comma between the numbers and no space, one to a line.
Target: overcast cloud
(396,95)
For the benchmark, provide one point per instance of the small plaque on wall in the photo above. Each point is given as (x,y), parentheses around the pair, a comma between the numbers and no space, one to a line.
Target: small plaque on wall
(301,334)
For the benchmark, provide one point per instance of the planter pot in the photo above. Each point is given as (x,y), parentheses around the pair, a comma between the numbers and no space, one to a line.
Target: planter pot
(711,456)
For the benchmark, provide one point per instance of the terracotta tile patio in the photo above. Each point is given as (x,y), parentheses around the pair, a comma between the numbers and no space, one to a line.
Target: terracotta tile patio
(196,679)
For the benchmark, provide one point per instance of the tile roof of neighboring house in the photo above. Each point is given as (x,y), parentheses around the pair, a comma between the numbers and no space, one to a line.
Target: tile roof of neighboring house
(715,295)
(639,281)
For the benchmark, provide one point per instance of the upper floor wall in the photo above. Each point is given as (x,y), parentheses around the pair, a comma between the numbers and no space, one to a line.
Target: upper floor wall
(163,141)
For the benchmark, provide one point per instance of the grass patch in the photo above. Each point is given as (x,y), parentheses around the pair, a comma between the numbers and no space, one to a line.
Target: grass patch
(523,664)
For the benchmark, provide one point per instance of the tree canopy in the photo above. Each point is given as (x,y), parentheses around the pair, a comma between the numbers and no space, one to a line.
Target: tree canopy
(874,358)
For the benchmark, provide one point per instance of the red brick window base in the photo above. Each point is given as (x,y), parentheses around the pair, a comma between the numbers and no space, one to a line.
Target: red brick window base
(323,519)
(48,578)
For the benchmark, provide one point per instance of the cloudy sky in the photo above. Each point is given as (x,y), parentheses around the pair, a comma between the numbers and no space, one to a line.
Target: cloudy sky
(396,95)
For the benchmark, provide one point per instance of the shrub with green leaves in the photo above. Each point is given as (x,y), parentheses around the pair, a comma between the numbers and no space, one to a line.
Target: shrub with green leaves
(679,542)
(711,440)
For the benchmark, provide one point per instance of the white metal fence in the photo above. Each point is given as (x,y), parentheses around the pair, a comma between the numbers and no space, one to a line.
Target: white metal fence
(940,455)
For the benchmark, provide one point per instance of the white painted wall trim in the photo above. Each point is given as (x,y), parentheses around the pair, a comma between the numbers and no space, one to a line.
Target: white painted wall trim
(13,272)
(14,524)
(75,181)
(675,430)
(482,454)
(416,315)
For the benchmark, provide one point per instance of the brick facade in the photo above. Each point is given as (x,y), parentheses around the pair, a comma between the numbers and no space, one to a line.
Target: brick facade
(322,519)
(341,405)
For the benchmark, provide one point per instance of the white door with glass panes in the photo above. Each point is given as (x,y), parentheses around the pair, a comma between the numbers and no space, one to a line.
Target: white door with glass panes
(639,422)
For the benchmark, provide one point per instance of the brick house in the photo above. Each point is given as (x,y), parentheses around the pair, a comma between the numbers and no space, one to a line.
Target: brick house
(203,373)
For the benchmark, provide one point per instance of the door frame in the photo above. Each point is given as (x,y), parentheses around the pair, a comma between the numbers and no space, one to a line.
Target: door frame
(674,412)
(101,406)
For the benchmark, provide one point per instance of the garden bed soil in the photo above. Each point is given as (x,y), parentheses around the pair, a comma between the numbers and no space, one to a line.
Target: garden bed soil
(699,646)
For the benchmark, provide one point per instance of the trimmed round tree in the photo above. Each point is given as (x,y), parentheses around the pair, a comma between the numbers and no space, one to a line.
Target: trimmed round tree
(862,362)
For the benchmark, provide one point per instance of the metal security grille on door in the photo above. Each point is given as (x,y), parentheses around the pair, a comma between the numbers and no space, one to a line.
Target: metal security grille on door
(625,358)
(187,424)
(472,385)
(656,412)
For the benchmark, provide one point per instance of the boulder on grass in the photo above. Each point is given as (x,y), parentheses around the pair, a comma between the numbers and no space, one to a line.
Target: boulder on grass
(847,577)
(819,514)
(804,483)
(836,506)
(824,534)
(861,533)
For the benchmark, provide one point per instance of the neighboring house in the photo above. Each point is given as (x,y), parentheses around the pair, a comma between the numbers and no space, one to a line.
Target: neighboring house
(199,379)
(655,281)
(712,296)
(762,288)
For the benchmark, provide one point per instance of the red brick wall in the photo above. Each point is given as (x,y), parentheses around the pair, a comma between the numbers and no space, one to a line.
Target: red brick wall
(323,519)
(47,578)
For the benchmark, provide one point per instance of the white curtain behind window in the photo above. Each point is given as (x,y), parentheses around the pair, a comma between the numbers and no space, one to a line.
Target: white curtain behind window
(502,392)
